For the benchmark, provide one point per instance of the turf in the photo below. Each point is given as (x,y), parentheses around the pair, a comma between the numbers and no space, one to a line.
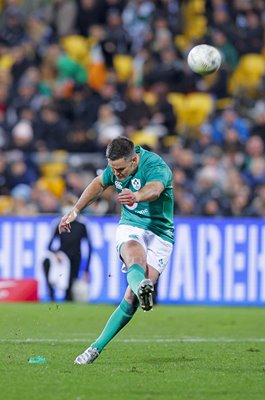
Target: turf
(173,352)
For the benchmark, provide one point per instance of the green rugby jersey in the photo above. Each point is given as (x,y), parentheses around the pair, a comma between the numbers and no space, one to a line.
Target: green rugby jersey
(155,216)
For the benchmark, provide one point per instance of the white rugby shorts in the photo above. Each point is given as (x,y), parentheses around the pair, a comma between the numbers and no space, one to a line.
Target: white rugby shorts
(157,250)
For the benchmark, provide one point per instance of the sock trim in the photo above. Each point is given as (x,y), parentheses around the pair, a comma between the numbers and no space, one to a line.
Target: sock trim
(136,267)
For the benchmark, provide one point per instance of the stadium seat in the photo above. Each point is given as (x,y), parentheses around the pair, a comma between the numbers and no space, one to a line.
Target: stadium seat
(192,110)
(51,169)
(193,7)
(182,42)
(54,185)
(150,98)
(6,205)
(123,65)
(177,101)
(196,27)
(77,48)
(247,75)
(141,138)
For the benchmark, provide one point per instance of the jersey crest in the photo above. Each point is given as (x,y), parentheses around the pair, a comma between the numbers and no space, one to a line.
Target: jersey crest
(118,185)
(136,183)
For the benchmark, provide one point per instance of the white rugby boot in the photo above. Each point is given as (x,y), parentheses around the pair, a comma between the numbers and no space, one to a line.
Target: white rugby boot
(87,357)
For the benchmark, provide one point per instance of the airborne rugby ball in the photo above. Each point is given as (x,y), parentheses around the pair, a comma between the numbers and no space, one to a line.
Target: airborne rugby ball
(204,59)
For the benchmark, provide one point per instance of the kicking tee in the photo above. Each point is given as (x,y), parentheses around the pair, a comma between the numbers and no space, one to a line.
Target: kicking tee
(155,216)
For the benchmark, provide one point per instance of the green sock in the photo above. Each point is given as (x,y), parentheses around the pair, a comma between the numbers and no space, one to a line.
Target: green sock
(118,319)
(135,275)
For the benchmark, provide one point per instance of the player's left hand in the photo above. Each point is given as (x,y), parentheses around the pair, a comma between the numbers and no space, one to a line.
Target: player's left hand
(127,197)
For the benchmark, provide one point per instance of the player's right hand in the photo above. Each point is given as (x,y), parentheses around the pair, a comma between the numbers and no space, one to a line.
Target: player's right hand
(66,220)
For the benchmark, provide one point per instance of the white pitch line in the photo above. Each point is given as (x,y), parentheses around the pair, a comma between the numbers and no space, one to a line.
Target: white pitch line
(137,340)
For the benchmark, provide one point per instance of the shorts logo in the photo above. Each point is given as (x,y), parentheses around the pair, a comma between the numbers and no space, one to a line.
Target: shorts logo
(136,183)
(161,262)
(133,236)
(118,185)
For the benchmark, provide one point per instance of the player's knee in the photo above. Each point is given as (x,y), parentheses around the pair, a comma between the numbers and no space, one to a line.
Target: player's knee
(133,253)
(136,260)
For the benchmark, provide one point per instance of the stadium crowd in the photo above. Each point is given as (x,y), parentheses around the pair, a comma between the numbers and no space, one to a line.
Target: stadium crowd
(76,74)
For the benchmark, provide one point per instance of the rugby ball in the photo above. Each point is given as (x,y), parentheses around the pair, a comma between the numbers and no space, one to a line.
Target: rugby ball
(204,59)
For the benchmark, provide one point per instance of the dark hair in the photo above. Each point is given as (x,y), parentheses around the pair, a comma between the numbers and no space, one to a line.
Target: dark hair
(121,147)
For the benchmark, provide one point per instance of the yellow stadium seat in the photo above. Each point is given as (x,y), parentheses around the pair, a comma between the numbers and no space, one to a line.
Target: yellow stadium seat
(141,138)
(192,110)
(199,106)
(196,27)
(176,100)
(223,103)
(182,42)
(123,65)
(54,185)
(252,64)
(53,169)
(193,7)
(247,75)
(77,48)
(150,98)
(6,205)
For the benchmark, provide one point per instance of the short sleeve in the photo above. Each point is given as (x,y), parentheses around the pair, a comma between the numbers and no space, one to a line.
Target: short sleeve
(160,173)
(107,177)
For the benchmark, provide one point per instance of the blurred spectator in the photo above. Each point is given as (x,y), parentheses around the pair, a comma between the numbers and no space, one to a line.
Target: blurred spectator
(89,12)
(255,173)
(19,172)
(185,205)
(117,39)
(137,113)
(254,149)
(168,69)
(61,16)
(13,31)
(258,114)
(22,202)
(23,137)
(240,205)
(107,126)
(46,202)
(229,53)
(211,207)
(163,116)
(251,34)
(258,203)
(229,119)
(80,140)
(52,129)
(137,16)
(4,184)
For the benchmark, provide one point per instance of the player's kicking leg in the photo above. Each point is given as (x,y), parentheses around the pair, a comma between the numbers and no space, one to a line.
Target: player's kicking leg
(118,319)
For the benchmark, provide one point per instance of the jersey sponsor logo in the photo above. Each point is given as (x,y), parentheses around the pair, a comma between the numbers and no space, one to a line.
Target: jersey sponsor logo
(136,183)
(118,185)
(144,211)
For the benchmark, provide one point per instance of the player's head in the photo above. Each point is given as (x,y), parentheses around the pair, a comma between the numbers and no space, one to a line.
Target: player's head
(122,157)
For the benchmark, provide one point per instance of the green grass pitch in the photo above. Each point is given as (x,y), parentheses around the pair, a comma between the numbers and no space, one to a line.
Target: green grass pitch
(174,352)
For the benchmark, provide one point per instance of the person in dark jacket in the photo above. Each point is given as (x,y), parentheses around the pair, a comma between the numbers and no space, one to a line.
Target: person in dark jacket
(71,247)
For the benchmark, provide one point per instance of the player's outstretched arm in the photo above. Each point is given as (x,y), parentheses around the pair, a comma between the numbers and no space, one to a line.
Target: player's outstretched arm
(89,195)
